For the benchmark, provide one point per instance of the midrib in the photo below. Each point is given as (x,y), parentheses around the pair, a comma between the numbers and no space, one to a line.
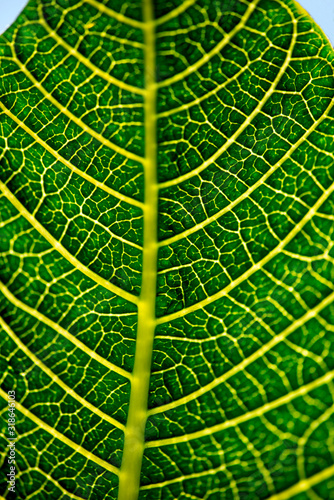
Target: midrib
(129,476)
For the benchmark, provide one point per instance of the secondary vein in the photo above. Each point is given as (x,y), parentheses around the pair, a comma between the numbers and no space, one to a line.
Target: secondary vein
(60,330)
(64,439)
(30,355)
(67,163)
(62,250)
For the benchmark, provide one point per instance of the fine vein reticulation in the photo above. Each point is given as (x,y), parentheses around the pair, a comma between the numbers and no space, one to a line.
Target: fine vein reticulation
(167,251)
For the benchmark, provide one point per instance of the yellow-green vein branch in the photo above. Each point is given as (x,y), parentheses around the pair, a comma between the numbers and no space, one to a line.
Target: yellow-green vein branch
(67,163)
(58,435)
(304,485)
(209,300)
(30,355)
(86,62)
(256,184)
(250,359)
(62,250)
(60,330)
(258,412)
(85,128)
(115,15)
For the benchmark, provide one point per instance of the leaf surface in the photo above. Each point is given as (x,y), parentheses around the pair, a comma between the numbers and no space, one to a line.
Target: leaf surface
(167,251)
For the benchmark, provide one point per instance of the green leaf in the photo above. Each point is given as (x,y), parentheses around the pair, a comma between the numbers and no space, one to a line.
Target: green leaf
(167,251)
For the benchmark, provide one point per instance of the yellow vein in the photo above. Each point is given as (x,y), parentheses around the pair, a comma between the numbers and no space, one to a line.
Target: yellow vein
(244,125)
(175,12)
(77,343)
(298,227)
(67,163)
(62,250)
(250,190)
(190,476)
(49,478)
(258,412)
(115,15)
(64,439)
(198,100)
(70,392)
(304,484)
(194,67)
(324,418)
(86,62)
(134,435)
(252,358)
(76,120)
(111,234)
(6,222)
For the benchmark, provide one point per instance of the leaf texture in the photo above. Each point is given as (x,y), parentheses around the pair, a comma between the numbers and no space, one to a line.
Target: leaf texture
(166,293)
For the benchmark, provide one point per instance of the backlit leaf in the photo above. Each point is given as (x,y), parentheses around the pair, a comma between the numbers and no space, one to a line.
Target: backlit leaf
(167,255)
